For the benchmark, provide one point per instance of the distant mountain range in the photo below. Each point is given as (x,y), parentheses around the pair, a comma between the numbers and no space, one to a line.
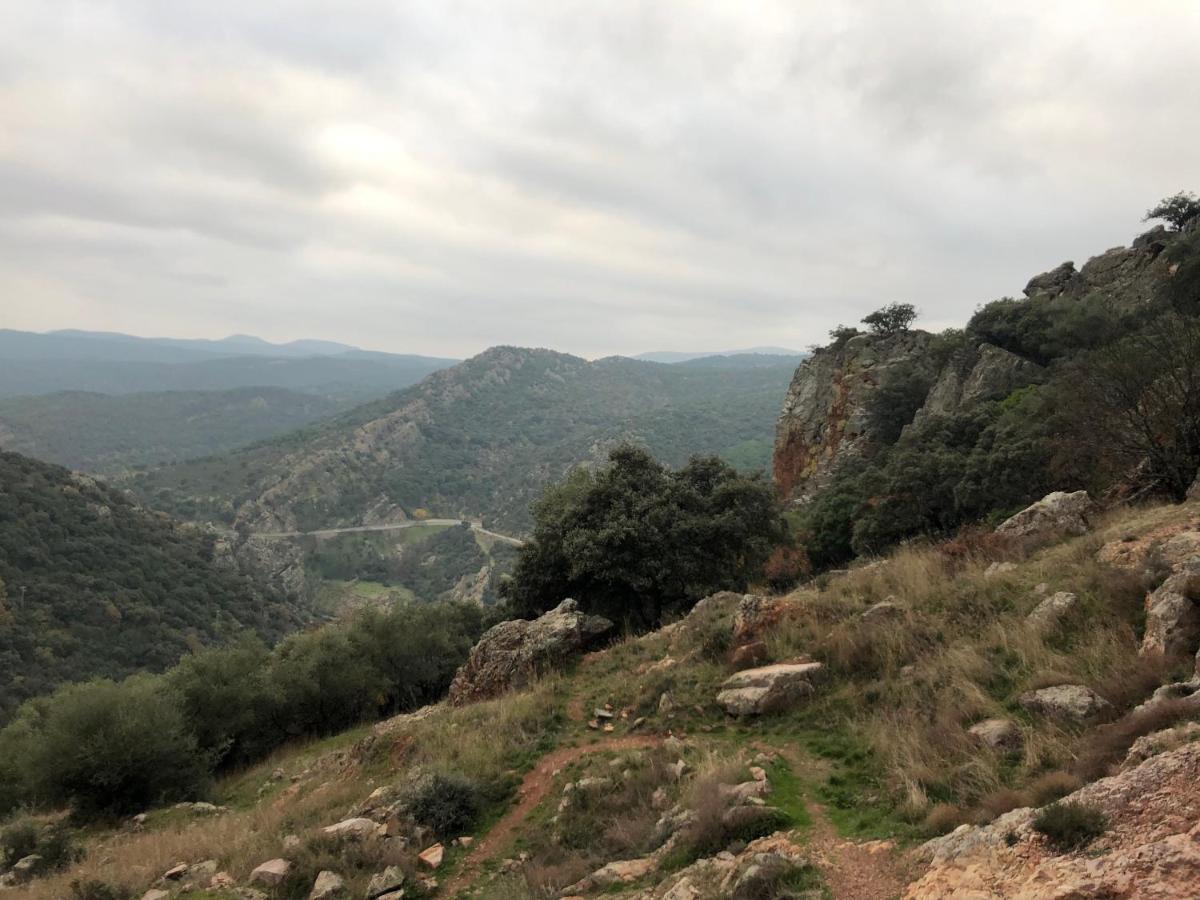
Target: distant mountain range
(678,356)
(105,362)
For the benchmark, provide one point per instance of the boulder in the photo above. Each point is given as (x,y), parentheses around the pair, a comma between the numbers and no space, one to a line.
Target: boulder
(431,857)
(754,653)
(26,867)
(623,871)
(1056,515)
(328,884)
(768,689)
(156,894)
(1047,614)
(385,883)
(974,376)
(755,616)
(999,568)
(1173,615)
(1073,703)
(513,652)
(175,872)
(1052,283)
(1162,741)
(271,873)
(1001,735)
(356,829)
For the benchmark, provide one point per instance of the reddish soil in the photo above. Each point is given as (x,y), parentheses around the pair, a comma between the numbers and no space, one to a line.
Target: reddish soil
(533,790)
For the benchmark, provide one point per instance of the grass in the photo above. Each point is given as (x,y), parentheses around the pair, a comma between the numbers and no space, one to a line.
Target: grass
(1070,826)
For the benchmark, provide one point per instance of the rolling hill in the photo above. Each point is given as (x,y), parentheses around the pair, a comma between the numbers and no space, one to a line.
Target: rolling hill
(481,439)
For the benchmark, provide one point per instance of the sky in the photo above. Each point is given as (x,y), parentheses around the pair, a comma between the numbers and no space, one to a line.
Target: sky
(596,177)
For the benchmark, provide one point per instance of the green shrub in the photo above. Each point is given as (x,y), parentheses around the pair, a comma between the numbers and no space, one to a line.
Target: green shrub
(18,840)
(447,804)
(1070,826)
(112,748)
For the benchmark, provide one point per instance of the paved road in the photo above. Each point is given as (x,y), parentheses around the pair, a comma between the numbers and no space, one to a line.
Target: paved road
(329,532)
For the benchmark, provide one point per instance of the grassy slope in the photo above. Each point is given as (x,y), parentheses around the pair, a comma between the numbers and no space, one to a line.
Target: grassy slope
(881,745)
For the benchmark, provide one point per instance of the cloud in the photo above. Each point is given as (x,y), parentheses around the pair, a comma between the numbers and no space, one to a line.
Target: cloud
(442,176)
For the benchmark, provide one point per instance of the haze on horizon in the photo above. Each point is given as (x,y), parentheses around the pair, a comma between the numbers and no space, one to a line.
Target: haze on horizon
(436,178)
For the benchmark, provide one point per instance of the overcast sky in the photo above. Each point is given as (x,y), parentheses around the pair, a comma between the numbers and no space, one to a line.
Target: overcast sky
(600,177)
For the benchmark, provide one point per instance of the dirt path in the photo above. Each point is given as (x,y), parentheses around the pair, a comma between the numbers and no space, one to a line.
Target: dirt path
(873,870)
(533,790)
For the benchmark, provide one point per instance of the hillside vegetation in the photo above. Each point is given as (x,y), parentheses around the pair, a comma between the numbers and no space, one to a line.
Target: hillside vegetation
(480,439)
(883,748)
(94,585)
(109,434)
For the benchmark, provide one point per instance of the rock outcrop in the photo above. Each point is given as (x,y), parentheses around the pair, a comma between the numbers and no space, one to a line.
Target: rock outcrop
(1173,613)
(1056,515)
(983,373)
(768,689)
(1151,848)
(280,561)
(825,413)
(513,652)
(1047,614)
(1074,703)
(1001,735)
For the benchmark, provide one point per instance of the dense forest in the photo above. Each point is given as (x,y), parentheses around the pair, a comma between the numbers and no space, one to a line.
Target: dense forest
(94,585)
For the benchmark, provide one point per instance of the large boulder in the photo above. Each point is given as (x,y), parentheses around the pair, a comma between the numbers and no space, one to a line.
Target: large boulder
(1047,614)
(1052,283)
(1074,703)
(272,873)
(768,689)
(1173,614)
(513,652)
(1056,515)
(1001,735)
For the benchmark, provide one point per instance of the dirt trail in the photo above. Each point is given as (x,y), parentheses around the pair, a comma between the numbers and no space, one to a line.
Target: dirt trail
(534,788)
(874,870)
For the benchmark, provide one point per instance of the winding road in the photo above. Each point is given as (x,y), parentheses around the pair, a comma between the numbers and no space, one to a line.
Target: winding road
(396,526)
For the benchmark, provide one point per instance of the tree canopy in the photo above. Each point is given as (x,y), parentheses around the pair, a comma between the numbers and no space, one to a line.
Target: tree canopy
(891,319)
(1176,211)
(636,541)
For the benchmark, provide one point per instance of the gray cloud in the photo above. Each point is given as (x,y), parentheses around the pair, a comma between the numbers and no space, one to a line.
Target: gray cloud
(441,176)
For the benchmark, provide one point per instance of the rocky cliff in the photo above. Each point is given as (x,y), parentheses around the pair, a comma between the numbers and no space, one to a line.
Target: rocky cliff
(826,423)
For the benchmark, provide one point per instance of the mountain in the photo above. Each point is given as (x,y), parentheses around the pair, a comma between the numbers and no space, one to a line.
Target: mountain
(32,363)
(677,356)
(93,585)
(480,439)
(106,434)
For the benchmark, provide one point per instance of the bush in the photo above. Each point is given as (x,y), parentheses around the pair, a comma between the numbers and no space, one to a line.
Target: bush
(94,889)
(447,804)
(54,842)
(637,541)
(1070,826)
(112,748)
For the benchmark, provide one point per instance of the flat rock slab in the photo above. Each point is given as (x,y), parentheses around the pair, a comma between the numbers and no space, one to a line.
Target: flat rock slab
(1066,702)
(768,689)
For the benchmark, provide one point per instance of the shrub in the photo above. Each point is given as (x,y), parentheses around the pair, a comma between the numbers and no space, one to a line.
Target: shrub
(1070,826)
(447,804)
(18,840)
(113,748)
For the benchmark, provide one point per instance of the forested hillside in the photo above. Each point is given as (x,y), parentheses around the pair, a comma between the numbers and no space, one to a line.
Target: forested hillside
(93,585)
(482,439)
(109,433)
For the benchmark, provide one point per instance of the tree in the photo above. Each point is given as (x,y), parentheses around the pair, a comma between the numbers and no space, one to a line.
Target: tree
(1141,398)
(636,541)
(1176,211)
(891,319)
